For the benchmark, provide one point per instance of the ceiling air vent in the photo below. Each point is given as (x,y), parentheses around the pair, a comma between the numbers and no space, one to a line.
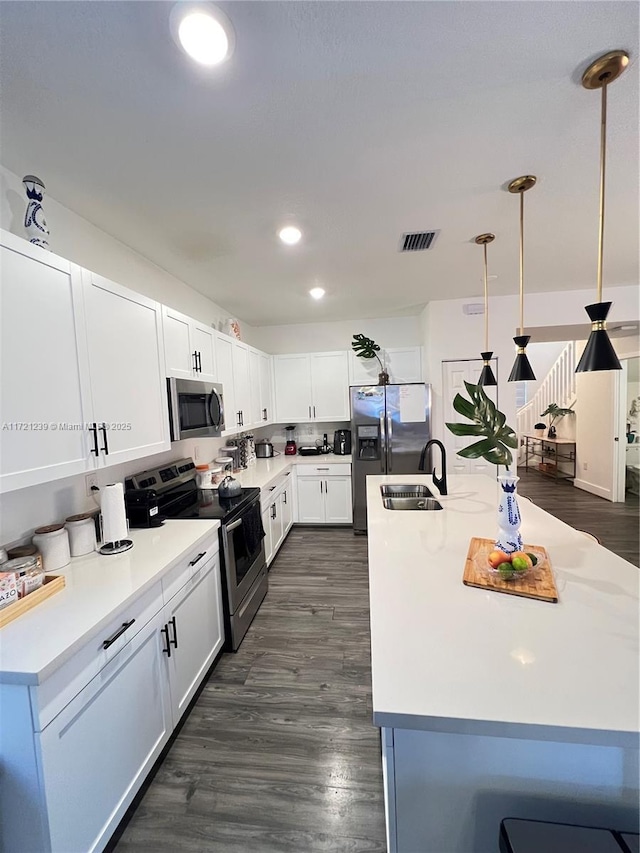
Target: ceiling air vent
(417,241)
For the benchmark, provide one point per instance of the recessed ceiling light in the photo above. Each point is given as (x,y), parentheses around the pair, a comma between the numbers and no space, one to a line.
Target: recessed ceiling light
(317,292)
(203,31)
(290,235)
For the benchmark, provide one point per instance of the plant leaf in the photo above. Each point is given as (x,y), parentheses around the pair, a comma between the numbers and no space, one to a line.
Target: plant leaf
(480,448)
(464,407)
(487,421)
(465,429)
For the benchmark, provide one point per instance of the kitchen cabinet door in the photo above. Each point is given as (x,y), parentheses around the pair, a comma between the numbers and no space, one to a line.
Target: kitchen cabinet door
(179,357)
(224,361)
(337,500)
(203,344)
(286,509)
(192,633)
(404,364)
(240,355)
(266,523)
(98,750)
(266,390)
(292,375)
(276,524)
(311,500)
(44,378)
(255,375)
(128,385)
(330,386)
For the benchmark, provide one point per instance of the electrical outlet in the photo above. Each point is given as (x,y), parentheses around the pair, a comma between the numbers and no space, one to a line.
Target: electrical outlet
(585,466)
(91,480)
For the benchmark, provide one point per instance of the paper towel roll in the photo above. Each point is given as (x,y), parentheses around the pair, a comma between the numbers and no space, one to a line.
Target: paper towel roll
(114,517)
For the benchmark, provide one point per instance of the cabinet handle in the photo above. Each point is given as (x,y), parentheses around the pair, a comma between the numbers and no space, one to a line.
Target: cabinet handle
(314,411)
(199,362)
(322,469)
(285,496)
(172,621)
(271,488)
(166,649)
(118,633)
(264,415)
(199,557)
(94,430)
(320,486)
(273,511)
(309,412)
(194,356)
(105,449)
(326,487)
(241,418)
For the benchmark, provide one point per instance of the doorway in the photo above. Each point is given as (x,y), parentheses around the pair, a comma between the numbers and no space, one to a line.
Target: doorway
(454,375)
(628,461)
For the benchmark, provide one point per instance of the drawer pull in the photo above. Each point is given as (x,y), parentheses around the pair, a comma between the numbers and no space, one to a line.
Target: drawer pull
(199,557)
(322,469)
(271,488)
(118,633)
(172,622)
(166,649)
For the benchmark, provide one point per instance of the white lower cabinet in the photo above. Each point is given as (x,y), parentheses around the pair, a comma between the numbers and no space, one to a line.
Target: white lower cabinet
(324,498)
(266,524)
(337,500)
(277,513)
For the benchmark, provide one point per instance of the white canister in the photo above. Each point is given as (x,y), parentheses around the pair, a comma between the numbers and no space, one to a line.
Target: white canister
(53,543)
(82,534)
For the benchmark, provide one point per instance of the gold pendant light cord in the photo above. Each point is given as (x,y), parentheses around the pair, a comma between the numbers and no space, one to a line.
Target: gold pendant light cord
(486,302)
(521,262)
(603,150)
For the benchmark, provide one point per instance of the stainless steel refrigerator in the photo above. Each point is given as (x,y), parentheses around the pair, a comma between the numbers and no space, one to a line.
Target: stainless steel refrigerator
(390,424)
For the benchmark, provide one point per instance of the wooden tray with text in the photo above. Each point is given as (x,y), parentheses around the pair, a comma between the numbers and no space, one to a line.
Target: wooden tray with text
(51,585)
(538,582)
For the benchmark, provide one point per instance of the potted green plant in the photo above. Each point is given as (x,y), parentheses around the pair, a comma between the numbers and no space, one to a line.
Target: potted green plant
(365,347)
(496,441)
(555,412)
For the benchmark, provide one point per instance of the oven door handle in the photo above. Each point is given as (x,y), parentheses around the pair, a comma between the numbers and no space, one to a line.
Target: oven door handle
(233,525)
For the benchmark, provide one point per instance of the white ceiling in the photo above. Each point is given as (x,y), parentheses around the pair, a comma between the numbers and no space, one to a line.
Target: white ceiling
(356,120)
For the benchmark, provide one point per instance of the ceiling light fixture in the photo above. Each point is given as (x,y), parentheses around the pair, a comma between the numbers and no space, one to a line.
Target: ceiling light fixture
(599,353)
(486,376)
(203,31)
(290,235)
(521,370)
(317,292)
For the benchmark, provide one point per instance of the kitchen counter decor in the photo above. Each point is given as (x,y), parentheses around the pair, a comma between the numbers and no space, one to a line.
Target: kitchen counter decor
(534,582)
(365,347)
(50,585)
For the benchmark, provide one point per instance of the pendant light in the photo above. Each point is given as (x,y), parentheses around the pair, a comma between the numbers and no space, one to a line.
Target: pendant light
(521,370)
(599,353)
(486,376)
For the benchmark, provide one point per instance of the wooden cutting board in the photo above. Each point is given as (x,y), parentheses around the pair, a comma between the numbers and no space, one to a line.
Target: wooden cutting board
(538,583)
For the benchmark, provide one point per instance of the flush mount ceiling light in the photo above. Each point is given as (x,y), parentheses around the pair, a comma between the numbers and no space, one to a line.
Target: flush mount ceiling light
(203,31)
(521,370)
(599,353)
(486,377)
(290,235)
(317,292)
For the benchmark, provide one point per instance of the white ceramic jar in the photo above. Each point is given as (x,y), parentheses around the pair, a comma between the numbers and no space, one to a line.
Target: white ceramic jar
(82,533)
(53,543)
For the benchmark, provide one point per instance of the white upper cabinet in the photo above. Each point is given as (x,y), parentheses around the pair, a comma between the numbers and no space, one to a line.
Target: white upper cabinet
(330,386)
(126,365)
(404,364)
(292,388)
(267,409)
(44,376)
(224,361)
(240,356)
(256,418)
(312,387)
(189,347)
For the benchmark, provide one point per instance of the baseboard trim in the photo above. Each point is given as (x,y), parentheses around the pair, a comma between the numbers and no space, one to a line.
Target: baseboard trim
(586,486)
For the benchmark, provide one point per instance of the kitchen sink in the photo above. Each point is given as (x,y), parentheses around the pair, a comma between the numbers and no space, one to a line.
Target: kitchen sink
(405,490)
(411,503)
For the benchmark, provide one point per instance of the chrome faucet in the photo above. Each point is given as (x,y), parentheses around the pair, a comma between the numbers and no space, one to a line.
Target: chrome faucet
(440,482)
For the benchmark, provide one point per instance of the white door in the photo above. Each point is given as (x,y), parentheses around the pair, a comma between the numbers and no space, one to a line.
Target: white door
(242,385)
(128,384)
(292,374)
(266,390)
(266,524)
(276,523)
(597,432)
(180,360)
(224,362)
(45,398)
(311,500)
(192,633)
(98,750)
(255,374)
(455,373)
(286,509)
(203,346)
(330,386)
(337,500)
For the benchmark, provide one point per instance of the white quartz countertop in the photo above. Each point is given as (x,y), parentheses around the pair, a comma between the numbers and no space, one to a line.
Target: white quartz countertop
(96,588)
(265,471)
(452,658)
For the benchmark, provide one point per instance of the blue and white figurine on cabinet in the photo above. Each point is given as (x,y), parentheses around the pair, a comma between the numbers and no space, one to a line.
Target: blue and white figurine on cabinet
(509,538)
(34,222)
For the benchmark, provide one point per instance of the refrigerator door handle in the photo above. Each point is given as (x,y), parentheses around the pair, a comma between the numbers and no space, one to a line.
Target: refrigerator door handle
(383,445)
(389,444)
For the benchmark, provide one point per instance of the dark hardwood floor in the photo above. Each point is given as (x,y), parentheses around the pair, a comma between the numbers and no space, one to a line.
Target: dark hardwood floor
(279,754)
(616,525)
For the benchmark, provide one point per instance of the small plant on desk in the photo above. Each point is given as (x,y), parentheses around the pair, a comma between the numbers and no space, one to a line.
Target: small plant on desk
(555,412)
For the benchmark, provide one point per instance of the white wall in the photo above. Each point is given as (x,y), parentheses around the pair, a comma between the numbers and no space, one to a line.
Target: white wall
(323,337)
(79,241)
(596,451)
(542,357)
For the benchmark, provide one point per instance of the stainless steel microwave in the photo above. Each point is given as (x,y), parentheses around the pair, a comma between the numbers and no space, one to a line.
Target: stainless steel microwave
(195,408)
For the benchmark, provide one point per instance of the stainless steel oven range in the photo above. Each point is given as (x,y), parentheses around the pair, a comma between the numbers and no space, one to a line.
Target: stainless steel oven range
(244,567)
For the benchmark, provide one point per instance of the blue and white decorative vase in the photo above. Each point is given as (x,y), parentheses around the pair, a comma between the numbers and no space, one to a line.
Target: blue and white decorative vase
(34,222)
(509,539)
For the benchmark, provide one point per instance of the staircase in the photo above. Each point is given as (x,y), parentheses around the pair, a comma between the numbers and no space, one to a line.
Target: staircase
(558,386)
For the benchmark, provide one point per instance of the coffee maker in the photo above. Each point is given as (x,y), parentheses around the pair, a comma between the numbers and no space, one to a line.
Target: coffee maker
(342,442)
(290,448)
